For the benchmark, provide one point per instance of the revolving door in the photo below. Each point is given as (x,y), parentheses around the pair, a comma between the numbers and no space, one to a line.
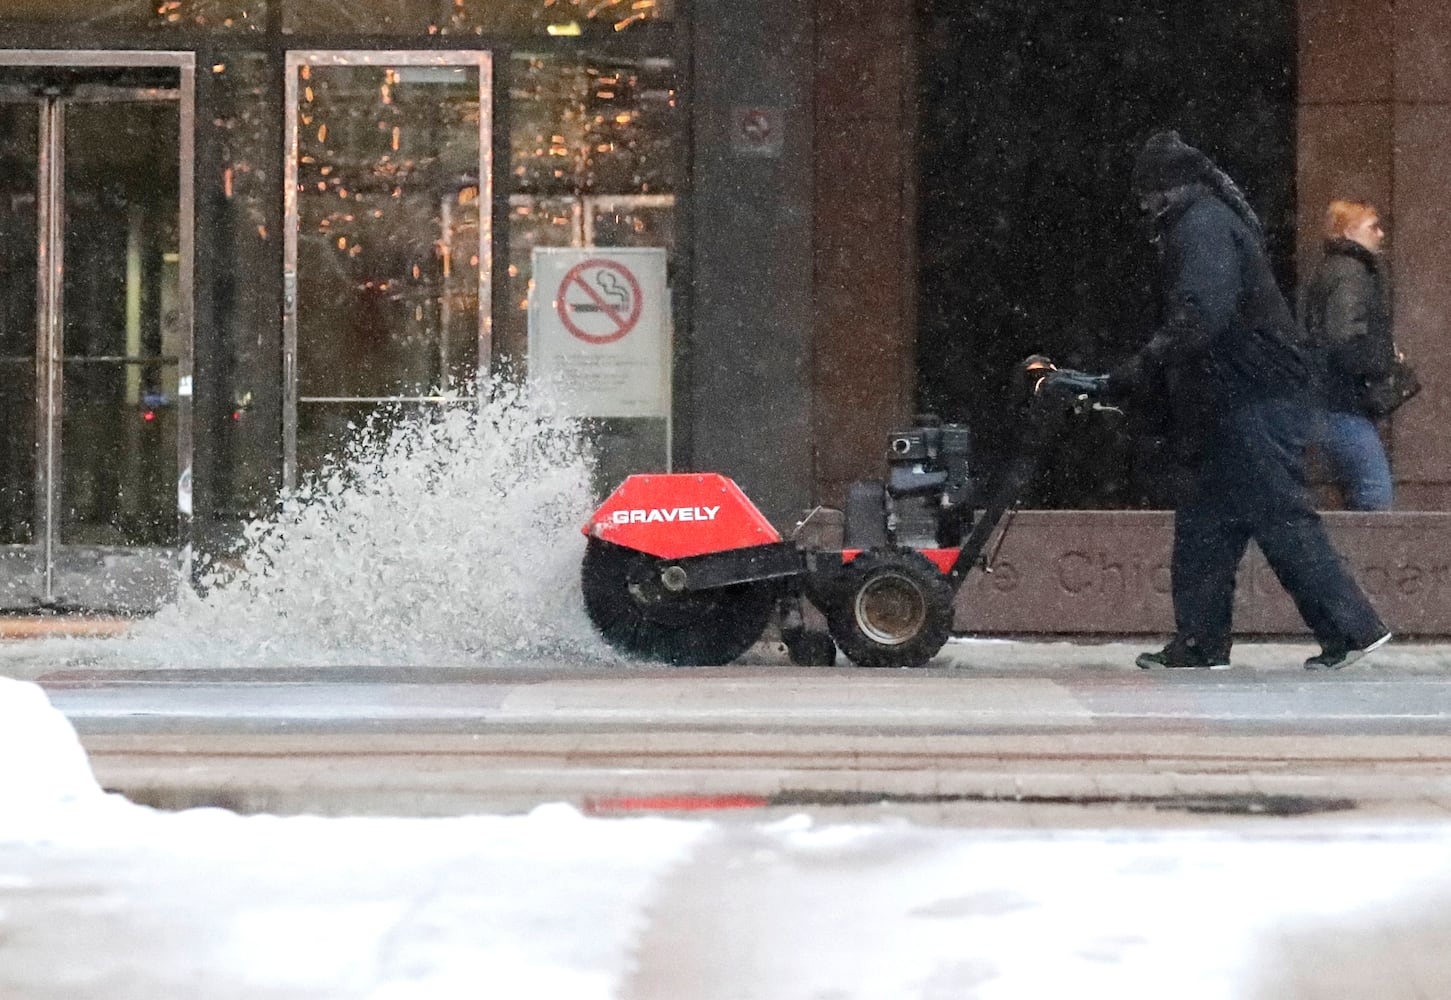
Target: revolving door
(95,327)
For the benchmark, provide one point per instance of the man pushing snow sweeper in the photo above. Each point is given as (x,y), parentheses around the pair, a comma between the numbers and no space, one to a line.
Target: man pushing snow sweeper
(1240,379)
(685,569)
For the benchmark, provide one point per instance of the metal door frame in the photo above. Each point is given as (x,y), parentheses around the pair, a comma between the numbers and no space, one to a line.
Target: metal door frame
(49,305)
(483,60)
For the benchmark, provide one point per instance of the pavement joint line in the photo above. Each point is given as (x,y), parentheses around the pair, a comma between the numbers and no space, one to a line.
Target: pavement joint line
(957,782)
(849,756)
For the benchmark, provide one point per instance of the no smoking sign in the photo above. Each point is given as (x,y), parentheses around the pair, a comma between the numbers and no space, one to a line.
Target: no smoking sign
(757,131)
(599,323)
(599,301)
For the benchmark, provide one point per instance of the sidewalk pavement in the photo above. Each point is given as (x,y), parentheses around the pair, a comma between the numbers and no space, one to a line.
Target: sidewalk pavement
(1413,655)
(994,725)
(1400,655)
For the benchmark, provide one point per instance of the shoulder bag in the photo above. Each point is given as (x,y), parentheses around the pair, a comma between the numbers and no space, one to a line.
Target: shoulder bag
(1383,396)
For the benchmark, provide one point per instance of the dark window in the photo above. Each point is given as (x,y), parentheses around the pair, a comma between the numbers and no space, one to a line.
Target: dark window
(1030,117)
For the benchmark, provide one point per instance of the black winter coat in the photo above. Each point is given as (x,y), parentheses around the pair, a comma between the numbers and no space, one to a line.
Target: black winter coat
(1347,315)
(1226,335)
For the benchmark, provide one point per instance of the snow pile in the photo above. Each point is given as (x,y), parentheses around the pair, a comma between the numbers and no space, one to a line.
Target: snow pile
(41,760)
(445,536)
(555,904)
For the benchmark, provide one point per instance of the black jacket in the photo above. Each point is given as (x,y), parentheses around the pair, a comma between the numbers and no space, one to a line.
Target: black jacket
(1347,315)
(1226,335)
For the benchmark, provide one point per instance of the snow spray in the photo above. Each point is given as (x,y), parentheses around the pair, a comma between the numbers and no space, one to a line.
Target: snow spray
(443,537)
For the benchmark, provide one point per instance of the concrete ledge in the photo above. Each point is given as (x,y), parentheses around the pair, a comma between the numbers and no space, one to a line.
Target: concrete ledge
(1107,573)
(52,626)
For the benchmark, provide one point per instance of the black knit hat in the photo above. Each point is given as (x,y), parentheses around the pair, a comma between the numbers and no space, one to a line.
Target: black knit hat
(1166,162)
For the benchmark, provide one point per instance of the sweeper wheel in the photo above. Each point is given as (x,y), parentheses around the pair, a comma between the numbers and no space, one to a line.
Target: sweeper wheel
(638,616)
(892,608)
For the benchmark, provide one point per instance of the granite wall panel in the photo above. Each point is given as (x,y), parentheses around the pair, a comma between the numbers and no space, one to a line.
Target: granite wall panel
(1374,82)
(1347,49)
(864,288)
(1107,572)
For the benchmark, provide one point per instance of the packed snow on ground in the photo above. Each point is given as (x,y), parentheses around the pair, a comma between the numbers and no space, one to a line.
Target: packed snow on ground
(100,898)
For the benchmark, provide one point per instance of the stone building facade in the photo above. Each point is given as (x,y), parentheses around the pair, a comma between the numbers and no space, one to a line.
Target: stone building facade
(771,148)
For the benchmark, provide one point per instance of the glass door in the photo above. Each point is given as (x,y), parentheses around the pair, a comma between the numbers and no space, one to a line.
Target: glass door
(388,241)
(95,328)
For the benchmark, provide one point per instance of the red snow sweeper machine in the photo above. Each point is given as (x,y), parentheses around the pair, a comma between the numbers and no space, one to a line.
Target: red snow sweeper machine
(684,569)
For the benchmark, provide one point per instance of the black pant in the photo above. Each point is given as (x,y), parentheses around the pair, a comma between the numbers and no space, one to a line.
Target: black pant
(1251,485)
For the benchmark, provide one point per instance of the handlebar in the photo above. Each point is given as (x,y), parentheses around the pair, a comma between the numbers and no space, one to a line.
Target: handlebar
(1070,382)
(1081,389)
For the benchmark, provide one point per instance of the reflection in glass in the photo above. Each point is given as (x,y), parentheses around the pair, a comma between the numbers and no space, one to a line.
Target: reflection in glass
(454,17)
(593,126)
(19,143)
(630,221)
(592,163)
(214,15)
(388,231)
(533,222)
(240,398)
(122,335)
(389,253)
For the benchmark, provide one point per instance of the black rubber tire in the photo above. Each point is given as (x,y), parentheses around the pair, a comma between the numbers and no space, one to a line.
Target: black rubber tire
(811,649)
(640,618)
(895,609)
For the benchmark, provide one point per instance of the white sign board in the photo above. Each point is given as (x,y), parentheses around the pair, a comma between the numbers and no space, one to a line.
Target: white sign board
(599,322)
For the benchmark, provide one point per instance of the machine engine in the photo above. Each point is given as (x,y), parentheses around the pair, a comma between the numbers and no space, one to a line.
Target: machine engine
(928,493)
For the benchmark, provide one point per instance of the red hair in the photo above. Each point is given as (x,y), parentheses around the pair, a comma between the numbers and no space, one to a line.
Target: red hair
(1342,216)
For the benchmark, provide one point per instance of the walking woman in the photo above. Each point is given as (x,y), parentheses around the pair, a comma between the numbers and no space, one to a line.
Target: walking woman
(1347,313)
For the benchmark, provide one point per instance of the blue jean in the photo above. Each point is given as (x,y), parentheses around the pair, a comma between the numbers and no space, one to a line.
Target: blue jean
(1356,460)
